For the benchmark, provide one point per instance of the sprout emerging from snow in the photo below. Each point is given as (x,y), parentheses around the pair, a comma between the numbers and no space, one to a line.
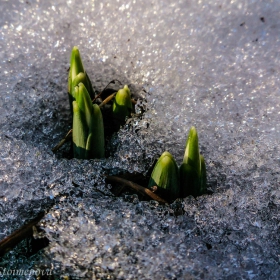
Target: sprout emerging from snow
(192,170)
(190,179)
(166,176)
(77,74)
(122,105)
(88,129)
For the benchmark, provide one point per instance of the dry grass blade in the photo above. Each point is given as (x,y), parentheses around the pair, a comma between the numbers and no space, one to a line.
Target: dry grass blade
(136,187)
(105,101)
(99,95)
(61,143)
(25,231)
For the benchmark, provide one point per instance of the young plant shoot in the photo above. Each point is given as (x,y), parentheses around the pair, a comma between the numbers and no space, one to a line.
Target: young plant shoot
(192,170)
(88,130)
(77,74)
(122,105)
(166,176)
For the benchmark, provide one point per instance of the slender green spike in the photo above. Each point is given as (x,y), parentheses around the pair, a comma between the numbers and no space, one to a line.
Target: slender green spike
(122,105)
(84,102)
(192,156)
(79,132)
(165,176)
(76,67)
(88,130)
(84,79)
(95,142)
(82,121)
(80,78)
(192,171)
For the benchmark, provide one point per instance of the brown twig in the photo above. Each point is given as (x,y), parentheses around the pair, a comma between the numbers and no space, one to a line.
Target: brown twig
(109,98)
(97,96)
(113,81)
(136,187)
(61,143)
(25,231)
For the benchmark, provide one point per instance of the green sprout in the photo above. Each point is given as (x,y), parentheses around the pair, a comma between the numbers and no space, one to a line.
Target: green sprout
(77,74)
(87,132)
(88,129)
(122,105)
(193,170)
(166,176)
(190,179)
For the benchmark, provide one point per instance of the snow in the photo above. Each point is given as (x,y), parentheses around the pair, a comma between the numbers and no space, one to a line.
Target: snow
(211,64)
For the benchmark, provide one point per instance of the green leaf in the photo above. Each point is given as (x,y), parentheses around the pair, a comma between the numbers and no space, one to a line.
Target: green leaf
(192,156)
(88,129)
(193,170)
(79,132)
(77,68)
(82,121)
(122,105)
(165,176)
(95,142)
(84,102)
(80,78)
(189,180)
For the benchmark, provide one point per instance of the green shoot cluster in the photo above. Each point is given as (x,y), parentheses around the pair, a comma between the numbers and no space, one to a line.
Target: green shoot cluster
(189,179)
(88,127)
(88,136)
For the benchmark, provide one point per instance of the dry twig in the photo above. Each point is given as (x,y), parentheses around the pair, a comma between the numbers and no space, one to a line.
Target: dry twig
(109,98)
(25,231)
(136,187)
(61,143)
(112,82)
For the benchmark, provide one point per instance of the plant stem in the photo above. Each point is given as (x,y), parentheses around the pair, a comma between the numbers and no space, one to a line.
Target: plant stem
(61,143)
(109,98)
(136,187)
(112,82)
(25,231)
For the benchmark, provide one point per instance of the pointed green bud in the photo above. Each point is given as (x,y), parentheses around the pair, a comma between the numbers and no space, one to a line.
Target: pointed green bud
(79,132)
(122,105)
(84,79)
(76,67)
(77,74)
(88,129)
(95,143)
(82,121)
(84,102)
(165,176)
(192,173)
(192,156)
(80,78)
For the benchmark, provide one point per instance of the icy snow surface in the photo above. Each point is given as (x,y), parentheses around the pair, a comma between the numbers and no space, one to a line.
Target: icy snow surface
(212,64)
